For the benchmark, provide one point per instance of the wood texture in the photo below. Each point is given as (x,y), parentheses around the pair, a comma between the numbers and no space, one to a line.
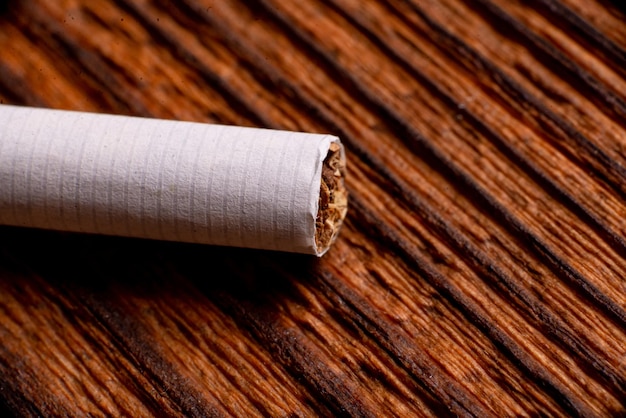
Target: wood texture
(482,268)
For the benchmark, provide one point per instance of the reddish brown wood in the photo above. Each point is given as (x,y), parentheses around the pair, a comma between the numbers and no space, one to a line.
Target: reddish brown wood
(481,269)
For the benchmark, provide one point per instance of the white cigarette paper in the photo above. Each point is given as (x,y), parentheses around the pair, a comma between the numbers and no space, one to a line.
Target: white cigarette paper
(170,180)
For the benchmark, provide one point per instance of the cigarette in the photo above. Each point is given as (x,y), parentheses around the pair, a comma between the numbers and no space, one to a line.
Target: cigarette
(171,180)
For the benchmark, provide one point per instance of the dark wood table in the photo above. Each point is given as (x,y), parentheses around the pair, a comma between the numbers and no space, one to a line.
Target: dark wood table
(482,267)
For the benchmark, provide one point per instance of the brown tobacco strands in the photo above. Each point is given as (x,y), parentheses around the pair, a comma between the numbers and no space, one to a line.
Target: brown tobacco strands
(448,263)
(333,199)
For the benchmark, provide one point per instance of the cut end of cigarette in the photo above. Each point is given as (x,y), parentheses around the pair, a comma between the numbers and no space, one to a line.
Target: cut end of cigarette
(333,200)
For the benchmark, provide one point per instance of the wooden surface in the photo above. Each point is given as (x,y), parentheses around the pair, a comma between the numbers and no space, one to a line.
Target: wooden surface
(482,268)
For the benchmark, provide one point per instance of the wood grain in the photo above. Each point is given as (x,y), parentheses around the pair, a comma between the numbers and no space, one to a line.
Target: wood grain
(482,268)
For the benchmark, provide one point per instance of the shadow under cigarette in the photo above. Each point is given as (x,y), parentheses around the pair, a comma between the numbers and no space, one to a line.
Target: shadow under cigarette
(83,259)
(106,271)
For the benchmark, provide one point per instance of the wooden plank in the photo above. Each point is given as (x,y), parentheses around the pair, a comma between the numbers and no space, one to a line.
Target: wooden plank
(481,269)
